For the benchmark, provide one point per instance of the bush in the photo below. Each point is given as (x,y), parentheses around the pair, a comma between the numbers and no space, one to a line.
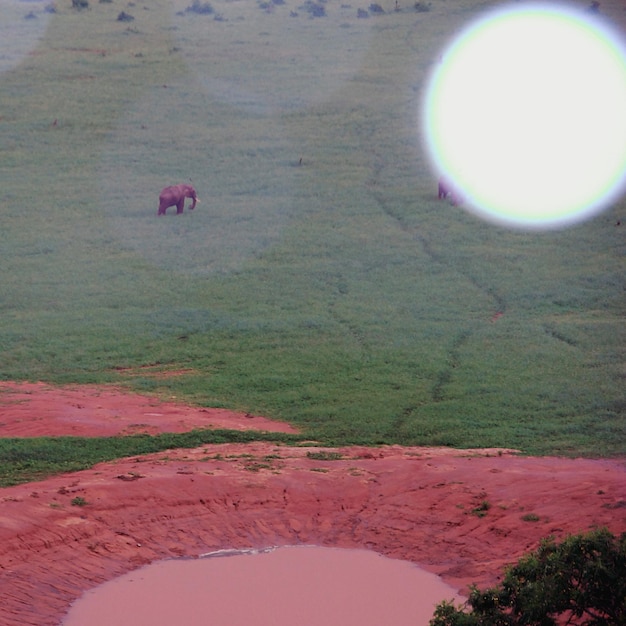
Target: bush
(314,9)
(200,8)
(580,581)
(80,4)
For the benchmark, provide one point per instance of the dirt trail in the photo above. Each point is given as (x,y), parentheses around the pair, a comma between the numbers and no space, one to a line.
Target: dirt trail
(426,505)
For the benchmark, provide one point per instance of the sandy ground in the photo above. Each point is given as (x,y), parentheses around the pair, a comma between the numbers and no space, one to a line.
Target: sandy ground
(416,504)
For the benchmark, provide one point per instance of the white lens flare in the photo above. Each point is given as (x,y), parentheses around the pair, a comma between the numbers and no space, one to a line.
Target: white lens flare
(525,116)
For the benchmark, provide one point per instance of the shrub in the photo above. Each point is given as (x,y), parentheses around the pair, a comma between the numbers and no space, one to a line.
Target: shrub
(199,8)
(579,581)
(80,4)
(315,9)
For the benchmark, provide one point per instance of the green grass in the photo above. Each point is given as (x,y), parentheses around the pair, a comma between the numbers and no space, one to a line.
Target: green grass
(482,509)
(23,460)
(335,293)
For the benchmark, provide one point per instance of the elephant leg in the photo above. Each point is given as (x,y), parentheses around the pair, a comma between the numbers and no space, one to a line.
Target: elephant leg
(180,206)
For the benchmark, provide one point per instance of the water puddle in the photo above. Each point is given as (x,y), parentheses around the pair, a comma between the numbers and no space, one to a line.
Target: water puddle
(303,585)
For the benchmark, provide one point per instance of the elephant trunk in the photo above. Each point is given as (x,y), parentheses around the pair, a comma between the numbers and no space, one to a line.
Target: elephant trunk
(195,201)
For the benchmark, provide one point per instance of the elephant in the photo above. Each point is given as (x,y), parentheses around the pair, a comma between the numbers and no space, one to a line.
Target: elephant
(446,190)
(175,196)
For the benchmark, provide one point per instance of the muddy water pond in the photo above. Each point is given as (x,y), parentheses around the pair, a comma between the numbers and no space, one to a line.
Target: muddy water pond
(288,586)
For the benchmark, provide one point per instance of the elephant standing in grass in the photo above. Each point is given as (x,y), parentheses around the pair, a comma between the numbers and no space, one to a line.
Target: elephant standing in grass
(175,196)
(446,190)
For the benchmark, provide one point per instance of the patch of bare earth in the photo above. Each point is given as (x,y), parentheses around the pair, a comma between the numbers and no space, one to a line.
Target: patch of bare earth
(38,409)
(458,513)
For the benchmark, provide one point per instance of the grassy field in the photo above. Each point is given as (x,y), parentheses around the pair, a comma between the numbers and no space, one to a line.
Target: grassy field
(319,281)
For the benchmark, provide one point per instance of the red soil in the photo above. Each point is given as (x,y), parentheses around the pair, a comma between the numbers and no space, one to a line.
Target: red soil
(37,409)
(409,503)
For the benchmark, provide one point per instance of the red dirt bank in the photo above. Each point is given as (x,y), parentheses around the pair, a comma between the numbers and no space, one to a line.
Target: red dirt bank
(409,503)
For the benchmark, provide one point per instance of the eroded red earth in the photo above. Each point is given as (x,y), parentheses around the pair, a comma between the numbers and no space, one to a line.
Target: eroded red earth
(425,505)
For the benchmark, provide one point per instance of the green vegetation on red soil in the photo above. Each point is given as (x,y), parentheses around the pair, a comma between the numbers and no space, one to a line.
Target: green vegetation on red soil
(319,280)
(24,460)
